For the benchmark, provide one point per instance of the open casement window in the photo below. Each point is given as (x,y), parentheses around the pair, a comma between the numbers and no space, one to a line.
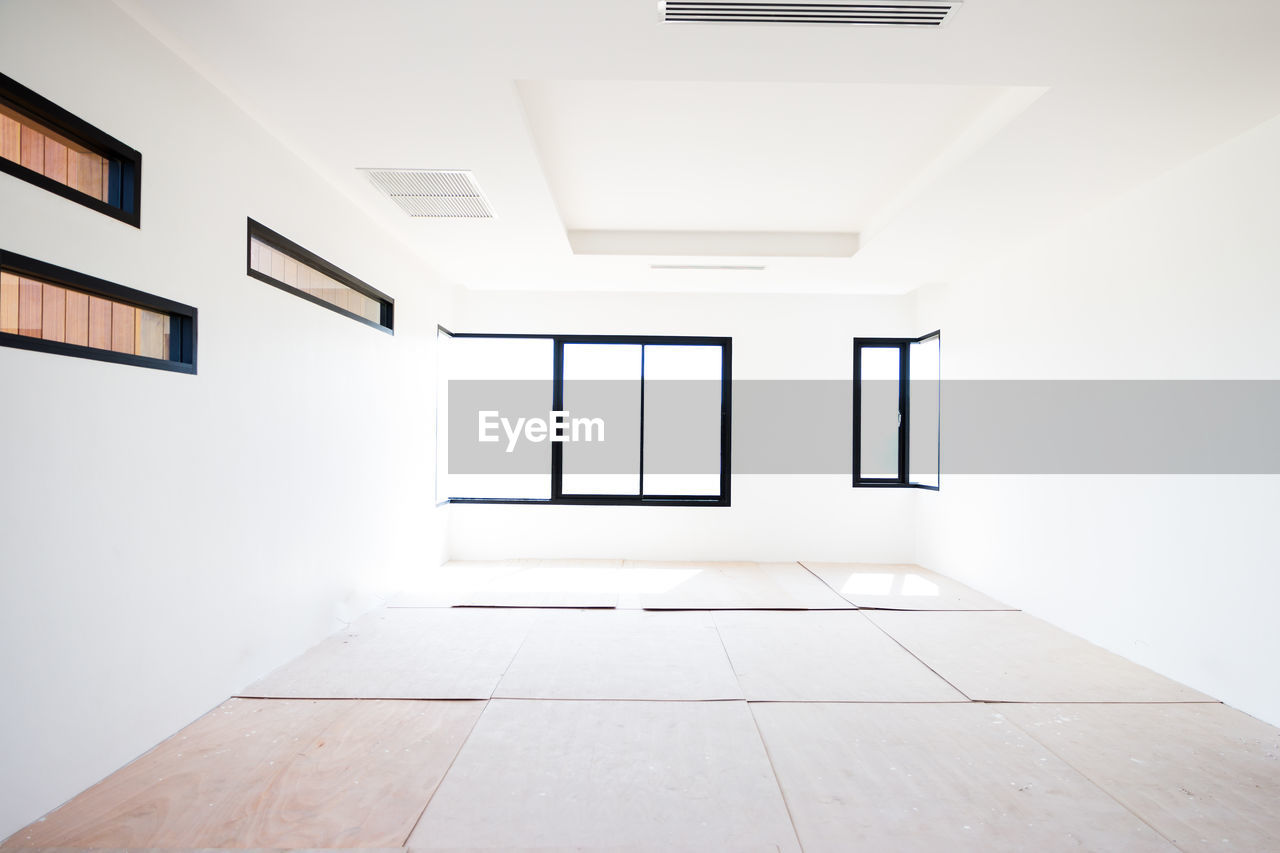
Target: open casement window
(896,411)
(584,419)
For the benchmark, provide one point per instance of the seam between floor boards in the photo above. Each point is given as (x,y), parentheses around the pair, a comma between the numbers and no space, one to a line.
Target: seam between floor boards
(1086,776)
(922,663)
(445,774)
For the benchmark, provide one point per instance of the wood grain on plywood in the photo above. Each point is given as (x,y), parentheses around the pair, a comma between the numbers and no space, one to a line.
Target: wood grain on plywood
(620,654)
(1014,657)
(284,774)
(1205,776)
(405,653)
(609,774)
(927,777)
(831,656)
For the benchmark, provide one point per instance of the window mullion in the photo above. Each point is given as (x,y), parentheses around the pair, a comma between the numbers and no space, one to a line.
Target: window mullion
(557,405)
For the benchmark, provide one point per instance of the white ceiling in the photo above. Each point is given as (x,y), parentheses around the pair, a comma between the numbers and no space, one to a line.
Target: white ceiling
(939,148)
(676,156)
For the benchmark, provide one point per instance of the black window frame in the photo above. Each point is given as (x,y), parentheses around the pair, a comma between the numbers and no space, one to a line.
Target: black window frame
(127,161)
(558,498)
(903,479)
(280,243)
(183,318)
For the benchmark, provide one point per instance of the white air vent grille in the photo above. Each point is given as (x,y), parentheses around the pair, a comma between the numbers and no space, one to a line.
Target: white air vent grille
(893,13)
(433,192)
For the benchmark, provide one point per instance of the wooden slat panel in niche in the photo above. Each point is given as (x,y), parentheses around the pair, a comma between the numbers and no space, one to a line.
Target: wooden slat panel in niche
(60,313)
(277,265)
(32,149)
(30,314)
(287,269)
(80,176)
(77,318)
(10,136)
(8,303)
(124,319)
(55,160)
(54,314)
(290,272)
(93,186)
(99,322)
(53,155)
(75,166)
(151,334)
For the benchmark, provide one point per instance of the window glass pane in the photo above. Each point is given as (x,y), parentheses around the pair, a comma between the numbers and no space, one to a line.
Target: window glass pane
(496,387)
(925,423)
(602,382)
(879,413)
(682,419)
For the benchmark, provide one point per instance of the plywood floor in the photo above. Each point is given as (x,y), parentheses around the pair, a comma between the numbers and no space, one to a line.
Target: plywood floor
(610,705)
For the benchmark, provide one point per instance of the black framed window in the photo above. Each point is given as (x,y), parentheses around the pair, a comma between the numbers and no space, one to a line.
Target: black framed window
(43,144)
(282,263)
(585,419)
(897,411)
(51,309)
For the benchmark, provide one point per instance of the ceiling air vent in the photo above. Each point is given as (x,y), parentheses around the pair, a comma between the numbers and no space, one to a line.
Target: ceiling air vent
(435,193)
(886,13)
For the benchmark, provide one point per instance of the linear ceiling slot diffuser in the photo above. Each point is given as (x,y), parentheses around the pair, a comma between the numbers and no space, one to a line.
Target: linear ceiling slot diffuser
(435,193)
(886,13)
(731,267)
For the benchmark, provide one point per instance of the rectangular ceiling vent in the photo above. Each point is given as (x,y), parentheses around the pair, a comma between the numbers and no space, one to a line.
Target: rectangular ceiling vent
(886,13)
(730,267)
(433,193)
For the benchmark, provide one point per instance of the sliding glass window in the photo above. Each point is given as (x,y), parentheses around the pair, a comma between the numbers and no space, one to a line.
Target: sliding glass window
(580,419)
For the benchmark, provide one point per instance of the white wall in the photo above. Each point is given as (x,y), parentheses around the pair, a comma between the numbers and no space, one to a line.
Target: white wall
(773,517)
(1174,281)
(167,538)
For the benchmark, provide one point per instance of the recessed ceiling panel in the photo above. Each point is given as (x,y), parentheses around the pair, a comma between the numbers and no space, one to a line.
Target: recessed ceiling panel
(674,156)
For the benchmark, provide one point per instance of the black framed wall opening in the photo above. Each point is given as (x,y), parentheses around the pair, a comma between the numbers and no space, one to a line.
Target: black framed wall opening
(47,146)
(282,263)
(584,419)
(897,412)
(50,309)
